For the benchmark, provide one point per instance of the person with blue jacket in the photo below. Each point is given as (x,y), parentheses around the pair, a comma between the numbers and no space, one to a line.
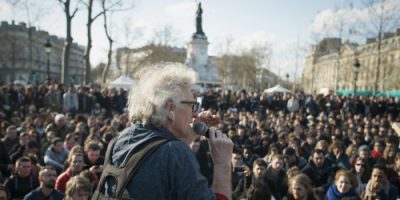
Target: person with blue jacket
(161,104)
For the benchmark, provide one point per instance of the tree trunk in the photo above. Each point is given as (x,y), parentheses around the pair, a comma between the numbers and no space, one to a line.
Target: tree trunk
(110,43)
(68,41)
(89,43)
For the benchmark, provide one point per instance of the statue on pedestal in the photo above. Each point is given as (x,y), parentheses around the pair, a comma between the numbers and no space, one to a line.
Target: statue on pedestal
(199,29)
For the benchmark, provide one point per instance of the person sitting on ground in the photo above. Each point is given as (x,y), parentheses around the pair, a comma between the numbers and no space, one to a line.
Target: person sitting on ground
(362,172)
(56,155)
(343,187)
(93,158)
(76,164)
(300,188)
(47,178)
(378,186)
(276,175)
(78,188)
(319,171)
(238,168)
(259,190)
(257,173)
(292,159)
(23,181)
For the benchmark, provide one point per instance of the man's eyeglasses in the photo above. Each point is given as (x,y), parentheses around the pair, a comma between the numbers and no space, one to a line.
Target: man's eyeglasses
(195,105)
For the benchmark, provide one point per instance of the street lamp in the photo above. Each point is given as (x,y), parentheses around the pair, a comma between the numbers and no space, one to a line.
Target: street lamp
(287,80)
(47,48)
(356,68)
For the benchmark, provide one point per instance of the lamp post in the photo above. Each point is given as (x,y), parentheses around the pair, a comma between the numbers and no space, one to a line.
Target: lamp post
(356,68)
(47,48)
(287,80)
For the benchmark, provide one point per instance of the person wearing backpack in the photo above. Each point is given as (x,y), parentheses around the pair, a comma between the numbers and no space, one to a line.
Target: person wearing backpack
(162,108)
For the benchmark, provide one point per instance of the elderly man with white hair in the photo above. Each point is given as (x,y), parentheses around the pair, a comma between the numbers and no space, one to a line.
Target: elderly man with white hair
(59,126)
(162,105)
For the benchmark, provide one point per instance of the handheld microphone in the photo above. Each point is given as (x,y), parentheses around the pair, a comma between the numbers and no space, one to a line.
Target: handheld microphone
(201,128)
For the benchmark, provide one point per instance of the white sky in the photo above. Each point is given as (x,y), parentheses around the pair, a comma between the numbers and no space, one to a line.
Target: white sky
(290,26)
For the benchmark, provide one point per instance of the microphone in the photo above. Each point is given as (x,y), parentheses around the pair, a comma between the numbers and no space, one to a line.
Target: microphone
(200,128)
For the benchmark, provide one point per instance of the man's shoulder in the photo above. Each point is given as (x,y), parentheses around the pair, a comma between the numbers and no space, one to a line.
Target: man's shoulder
(49,151)
(34,194)
(57,195)
(132,139)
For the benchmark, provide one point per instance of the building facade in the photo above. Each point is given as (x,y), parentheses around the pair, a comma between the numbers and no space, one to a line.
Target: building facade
(130,61)
(330,65)
(23,56)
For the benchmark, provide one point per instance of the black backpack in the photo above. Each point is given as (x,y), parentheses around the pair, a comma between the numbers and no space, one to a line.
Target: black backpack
(123,174)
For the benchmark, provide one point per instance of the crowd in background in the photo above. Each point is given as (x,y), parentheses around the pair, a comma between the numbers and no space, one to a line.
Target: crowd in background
(286,146)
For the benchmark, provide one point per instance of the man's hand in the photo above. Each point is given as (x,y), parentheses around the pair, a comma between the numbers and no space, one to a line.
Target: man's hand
(396,127)
(376,187)
(221,147)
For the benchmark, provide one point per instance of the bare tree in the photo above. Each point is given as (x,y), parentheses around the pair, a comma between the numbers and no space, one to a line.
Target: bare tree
(110,42)
(164,36)
(66,5)
(240,70)
(384,16)
(97,72)
(105,7)
(130,37)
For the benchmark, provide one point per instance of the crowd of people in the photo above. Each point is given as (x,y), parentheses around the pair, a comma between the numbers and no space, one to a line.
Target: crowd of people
(286,146)
(308,147)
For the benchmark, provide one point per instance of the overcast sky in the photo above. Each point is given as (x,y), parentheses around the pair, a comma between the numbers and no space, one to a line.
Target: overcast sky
(290,26)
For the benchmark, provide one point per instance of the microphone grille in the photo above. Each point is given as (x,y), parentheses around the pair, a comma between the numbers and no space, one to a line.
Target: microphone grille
(200,128)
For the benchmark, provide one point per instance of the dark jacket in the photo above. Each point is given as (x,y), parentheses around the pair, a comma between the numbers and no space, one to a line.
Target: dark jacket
(37,194)
(20,186)
(4,161)
(320,177)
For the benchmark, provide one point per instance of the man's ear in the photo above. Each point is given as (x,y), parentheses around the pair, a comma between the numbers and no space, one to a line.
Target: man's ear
(170,107)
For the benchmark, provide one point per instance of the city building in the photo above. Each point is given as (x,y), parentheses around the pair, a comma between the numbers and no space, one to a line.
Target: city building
(330,65)
(130,61)
(23,56)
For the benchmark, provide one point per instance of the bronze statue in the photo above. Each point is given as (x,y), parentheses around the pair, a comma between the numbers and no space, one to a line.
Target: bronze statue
(199,29)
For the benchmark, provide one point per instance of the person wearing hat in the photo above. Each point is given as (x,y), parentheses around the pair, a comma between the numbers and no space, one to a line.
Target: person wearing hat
(292,159)
(364,153)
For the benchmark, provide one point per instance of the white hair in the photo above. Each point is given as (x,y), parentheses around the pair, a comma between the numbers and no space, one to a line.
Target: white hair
(157,85)
(59,117)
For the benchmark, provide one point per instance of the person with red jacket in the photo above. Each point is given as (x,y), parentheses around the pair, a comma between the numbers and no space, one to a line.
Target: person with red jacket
(76,164)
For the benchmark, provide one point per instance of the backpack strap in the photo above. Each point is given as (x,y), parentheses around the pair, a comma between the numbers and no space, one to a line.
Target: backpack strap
(126,172)
(137,159)
(110,148)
